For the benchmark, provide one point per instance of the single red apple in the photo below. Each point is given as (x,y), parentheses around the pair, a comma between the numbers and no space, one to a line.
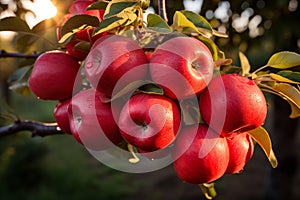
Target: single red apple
(55,76)
(80,7)
(237,98)
(61,115)
(241,150)
(182,66)
(201,155)
(114,62)
(149,122)
(78,54)
(92,122)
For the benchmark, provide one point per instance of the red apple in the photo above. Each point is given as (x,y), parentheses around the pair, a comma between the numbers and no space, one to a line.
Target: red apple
(114,62)
(55,76)
(237,98)
(78,54)
(182,66)
(241,150)
(80,7)
(61,115)
(92,122)
(149,122)
(201,155)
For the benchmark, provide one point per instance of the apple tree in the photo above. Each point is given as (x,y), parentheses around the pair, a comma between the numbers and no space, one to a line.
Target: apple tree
(140,93)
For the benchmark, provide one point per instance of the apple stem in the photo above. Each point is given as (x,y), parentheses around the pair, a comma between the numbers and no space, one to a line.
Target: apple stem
(135,159)
(162,10)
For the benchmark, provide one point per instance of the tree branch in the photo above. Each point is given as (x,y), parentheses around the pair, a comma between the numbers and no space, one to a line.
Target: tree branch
(5,54)
(162,9)
(36,128)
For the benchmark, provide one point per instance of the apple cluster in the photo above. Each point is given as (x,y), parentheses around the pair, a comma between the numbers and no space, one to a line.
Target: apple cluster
(103,101)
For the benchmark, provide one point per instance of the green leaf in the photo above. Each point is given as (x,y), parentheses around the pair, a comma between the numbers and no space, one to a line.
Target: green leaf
(14,24)
(115,8)
(261,136)
(180,21)
(230,69)
(190,111)
(125,18)
(151,88)
(155,22)
(284,60)
(78,21)
(283,79)
(98,5)
(214,49)
(295,111)
(128,89)
(294,76)
(18,80)
(197,19)
(244,64)
(83,46)
(44,25)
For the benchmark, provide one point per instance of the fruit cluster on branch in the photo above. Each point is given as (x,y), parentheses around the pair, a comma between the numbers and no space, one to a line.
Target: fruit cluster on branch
(165,90)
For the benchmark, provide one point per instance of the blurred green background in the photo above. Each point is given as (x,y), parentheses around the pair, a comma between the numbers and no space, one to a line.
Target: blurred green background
(57,167)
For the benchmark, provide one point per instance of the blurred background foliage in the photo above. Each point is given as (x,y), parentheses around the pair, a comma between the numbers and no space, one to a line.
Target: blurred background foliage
(57,167)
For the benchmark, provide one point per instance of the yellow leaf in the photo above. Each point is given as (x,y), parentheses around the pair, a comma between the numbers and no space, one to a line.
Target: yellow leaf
(279,78)
(284,60)
(180,21)
(261,136)
(290,93)
(244,64)
(295,111)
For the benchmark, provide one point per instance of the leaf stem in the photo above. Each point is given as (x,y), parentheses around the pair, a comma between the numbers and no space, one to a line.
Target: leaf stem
(259,69)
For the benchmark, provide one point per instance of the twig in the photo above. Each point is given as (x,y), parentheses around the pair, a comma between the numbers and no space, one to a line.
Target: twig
(162,9)
(5,54)
(36,128)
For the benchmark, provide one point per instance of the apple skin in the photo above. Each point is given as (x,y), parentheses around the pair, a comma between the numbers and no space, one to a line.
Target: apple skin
(186,60)
(61,115)
(55,76)
(192,168)
(242,101)
(79,7)
(149,122)
(241,148)
(114,62)
(92,122)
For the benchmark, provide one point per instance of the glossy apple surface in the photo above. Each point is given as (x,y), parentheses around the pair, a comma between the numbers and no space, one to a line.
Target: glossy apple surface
(202,154)
(183,66)
(237,98)
(149,122)
(61,115)
(241,150)
(92,122)
(114,62)
(55,76)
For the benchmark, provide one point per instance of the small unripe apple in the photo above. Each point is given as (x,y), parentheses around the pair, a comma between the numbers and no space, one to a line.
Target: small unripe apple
(201,155)
(182,66)
(55,76)
(241,150)
(92,122)
(237,98)
(61,115)
(149,122)
(114,62)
